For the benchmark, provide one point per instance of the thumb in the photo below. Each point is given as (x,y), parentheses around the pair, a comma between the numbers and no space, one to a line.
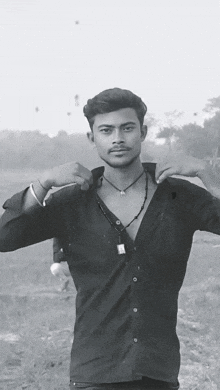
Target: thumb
(85,186)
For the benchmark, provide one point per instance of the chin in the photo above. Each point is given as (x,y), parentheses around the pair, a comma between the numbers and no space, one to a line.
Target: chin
(120,163)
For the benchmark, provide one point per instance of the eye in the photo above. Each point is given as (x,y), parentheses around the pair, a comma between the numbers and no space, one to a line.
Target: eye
(106,130)
(129,128)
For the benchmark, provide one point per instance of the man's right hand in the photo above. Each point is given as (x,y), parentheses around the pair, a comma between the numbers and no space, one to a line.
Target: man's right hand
(65,174)
(60,176)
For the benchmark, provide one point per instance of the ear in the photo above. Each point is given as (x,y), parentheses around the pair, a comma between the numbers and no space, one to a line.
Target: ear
(143,132)
(90,137)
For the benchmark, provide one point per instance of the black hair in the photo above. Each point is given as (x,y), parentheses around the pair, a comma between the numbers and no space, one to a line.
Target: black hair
(112,100)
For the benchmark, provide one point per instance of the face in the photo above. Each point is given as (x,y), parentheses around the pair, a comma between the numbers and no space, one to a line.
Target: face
(118,136)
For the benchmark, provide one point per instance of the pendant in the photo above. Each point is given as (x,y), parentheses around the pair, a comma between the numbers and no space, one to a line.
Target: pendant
(121,249)
(122,193)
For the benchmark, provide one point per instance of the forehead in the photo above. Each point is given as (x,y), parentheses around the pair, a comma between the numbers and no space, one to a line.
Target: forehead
(116,118)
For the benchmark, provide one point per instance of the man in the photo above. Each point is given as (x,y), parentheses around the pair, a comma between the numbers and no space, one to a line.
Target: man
(128,230)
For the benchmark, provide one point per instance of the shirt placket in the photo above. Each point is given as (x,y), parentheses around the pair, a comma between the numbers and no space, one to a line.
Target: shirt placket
(135,279)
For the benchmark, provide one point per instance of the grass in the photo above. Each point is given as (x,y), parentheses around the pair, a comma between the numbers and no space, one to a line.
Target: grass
(36,322)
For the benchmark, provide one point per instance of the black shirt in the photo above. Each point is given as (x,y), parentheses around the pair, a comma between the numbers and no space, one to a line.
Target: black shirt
(126,305)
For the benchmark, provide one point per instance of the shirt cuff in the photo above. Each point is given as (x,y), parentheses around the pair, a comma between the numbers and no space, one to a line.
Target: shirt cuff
(35,196)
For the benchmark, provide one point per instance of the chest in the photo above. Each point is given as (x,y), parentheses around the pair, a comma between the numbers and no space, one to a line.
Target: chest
(129,209)
(162,242)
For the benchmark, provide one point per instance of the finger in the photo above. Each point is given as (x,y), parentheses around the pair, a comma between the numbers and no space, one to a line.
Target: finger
(90,180)
(160,168)
(85,174)
(84,184)
(79,180)
(167,173)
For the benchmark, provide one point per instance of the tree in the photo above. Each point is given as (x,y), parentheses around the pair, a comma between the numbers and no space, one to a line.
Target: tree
(170,131)
(172,116)
(169,134)
(213,105)
(213,125)
(151,120)
(31,149)
(195,141)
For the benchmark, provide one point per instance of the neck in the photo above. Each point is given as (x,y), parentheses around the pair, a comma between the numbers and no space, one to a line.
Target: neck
(121,176)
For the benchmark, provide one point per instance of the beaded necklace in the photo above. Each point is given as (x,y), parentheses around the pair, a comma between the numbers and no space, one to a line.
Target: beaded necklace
(120,246)
(122,192)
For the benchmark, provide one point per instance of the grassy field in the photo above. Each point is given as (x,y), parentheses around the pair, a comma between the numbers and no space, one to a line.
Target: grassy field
(37,320)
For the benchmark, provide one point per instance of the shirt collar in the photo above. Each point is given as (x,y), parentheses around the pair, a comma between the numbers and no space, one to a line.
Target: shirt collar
(98,172)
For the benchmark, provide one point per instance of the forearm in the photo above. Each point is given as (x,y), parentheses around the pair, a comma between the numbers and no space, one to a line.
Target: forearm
(19,228)
(25,220)
(210,177)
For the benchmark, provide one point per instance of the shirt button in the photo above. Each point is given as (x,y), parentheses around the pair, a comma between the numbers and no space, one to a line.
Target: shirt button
(135,309)
(118,222)
(135,340)
(135,248)
(139,267)
(135,279)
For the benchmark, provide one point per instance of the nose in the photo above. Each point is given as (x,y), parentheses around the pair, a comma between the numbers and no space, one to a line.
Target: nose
(118,137)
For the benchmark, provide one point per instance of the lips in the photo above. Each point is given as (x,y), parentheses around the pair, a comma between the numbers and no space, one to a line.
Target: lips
(119,150)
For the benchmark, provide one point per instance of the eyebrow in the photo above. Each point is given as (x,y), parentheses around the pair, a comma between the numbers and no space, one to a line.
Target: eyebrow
(123,124)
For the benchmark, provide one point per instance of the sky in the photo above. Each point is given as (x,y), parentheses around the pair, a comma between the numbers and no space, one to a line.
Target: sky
(165,51)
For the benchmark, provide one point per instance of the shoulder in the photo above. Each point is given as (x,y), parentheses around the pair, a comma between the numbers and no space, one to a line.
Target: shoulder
(188,191)
(72,194)
(177,183)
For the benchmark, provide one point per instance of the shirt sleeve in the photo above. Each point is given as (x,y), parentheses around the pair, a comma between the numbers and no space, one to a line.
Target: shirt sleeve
(206,210)
(19,229)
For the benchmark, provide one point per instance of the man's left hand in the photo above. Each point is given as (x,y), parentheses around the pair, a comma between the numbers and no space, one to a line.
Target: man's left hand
(178,164)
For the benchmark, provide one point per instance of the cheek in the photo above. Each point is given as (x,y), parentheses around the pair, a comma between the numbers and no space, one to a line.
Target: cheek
(100,145)
(136,141)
